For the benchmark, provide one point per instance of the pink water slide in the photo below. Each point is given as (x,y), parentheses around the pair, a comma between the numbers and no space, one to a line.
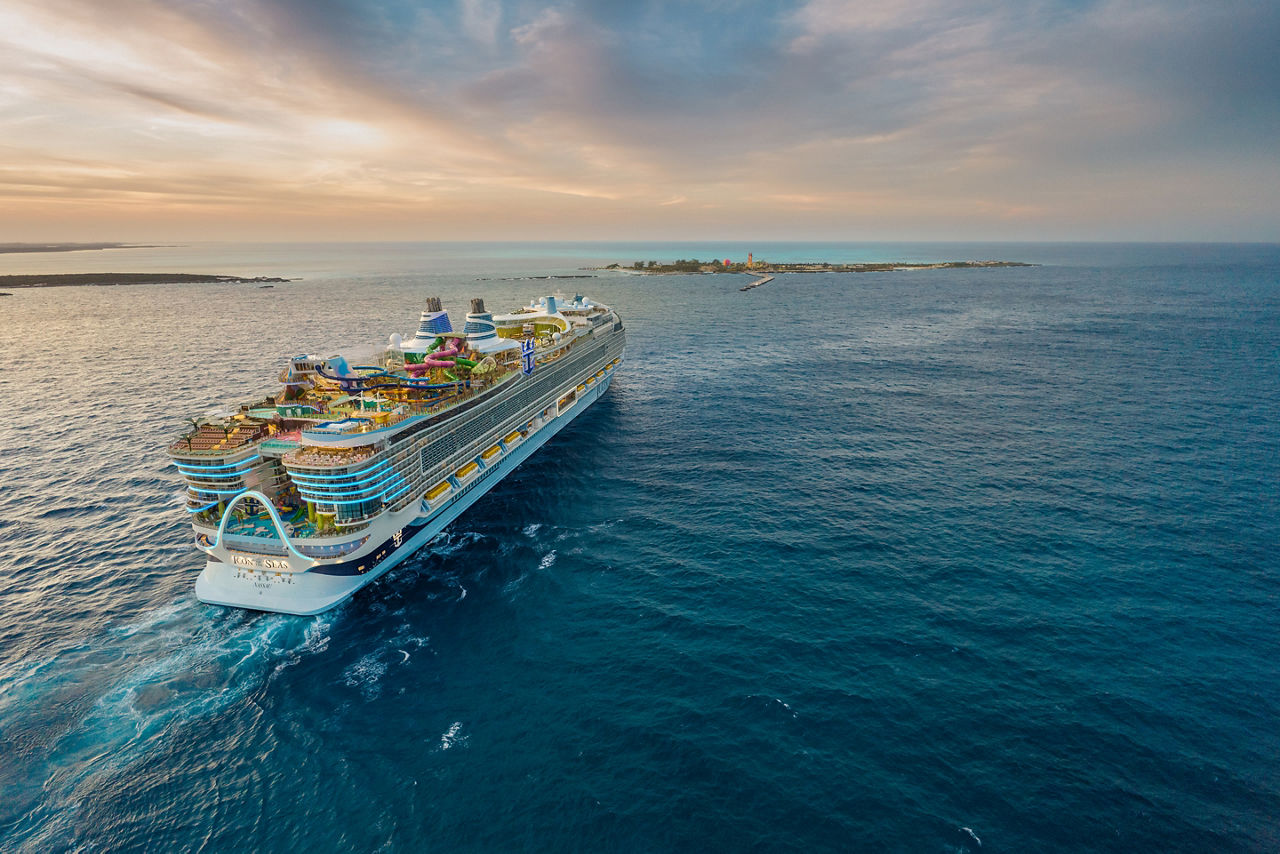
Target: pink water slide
(439,359)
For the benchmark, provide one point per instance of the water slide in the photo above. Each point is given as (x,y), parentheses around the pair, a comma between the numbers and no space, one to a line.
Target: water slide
(350,381)
(438,358)
(411,384)
(376,371)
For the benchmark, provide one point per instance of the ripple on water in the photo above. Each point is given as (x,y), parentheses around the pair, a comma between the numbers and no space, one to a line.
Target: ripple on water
(962,560)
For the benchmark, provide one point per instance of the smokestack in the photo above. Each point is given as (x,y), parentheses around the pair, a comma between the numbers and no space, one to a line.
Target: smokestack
(477,306)
(434,321)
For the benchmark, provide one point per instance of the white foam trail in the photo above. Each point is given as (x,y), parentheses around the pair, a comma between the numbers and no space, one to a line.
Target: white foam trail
(316,636)
(158,617)
(241,655)
(451,738)
(19,674)
(366,675)
(194,663)
(972,835)
(159,630)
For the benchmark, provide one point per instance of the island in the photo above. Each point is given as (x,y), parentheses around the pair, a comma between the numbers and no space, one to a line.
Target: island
(70,247)
(766,270)
(58,280)
(693,265)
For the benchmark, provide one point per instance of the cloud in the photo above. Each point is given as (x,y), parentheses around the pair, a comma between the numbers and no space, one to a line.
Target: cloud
(480,20)
(720,115)
(821,21)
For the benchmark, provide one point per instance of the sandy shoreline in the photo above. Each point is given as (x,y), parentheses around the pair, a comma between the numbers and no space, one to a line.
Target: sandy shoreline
(62,280)
(9,248)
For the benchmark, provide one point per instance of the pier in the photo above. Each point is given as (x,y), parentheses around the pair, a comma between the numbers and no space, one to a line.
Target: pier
(757,283)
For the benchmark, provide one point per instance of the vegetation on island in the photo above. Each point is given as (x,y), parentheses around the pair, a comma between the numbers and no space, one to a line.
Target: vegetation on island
(693,265)
(55,280)
(68,247)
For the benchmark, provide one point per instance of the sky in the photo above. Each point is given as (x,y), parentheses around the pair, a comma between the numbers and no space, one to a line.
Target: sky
(150,120)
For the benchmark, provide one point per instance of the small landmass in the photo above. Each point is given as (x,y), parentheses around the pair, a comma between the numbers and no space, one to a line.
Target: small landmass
(531,278)
(693,265)
(70,247)
(58,280)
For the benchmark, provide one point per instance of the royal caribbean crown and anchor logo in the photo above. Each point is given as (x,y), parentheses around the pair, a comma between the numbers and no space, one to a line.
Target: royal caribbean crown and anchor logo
(526,357)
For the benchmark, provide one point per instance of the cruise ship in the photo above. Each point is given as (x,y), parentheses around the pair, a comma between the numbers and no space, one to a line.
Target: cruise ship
(302,497)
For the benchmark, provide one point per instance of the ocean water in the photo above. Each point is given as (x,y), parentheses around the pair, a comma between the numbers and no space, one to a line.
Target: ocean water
(940,561)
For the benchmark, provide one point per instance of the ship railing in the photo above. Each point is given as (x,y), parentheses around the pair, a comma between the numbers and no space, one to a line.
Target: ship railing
(468,452)
(350,524)
(256,545)
(450,464)
(313,457)
(340,550)
(333,461)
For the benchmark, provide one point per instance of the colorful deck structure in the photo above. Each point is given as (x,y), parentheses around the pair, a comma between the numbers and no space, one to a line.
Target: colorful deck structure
(302,497)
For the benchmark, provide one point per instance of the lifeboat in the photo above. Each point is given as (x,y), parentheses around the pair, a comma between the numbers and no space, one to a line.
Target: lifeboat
(437,494)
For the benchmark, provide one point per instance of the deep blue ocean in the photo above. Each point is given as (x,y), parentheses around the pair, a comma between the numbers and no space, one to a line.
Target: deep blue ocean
(936,561)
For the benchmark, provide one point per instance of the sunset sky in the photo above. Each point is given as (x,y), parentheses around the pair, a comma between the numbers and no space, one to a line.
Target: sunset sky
(830,119)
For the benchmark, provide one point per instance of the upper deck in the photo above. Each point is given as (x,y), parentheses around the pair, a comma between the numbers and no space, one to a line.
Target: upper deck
(330,419)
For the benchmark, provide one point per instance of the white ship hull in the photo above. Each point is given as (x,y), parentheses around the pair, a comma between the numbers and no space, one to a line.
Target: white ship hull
(265,584)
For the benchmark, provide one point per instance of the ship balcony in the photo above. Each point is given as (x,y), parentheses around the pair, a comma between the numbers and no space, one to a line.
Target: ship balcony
(212,486)
(311,457)
(363,484)
(355,496)
(201,497)
(215,468)
(354,513)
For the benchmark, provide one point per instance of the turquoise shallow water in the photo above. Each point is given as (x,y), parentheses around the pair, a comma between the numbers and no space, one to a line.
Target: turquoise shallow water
(840,563)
